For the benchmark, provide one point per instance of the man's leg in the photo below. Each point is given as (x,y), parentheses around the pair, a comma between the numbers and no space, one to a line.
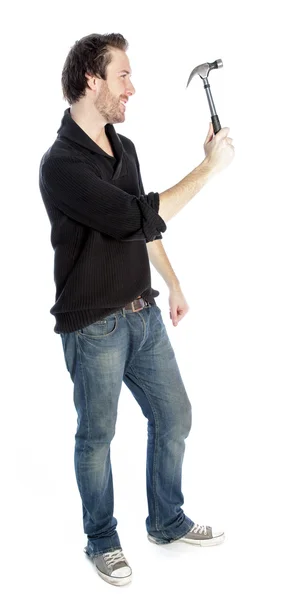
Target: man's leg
(95,357)
(155,381)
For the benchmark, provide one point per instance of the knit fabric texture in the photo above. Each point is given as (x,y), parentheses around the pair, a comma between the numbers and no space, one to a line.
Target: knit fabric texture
(101,220)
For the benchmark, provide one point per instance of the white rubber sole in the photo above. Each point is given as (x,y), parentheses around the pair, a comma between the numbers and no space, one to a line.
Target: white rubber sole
(114,580)
(215,541)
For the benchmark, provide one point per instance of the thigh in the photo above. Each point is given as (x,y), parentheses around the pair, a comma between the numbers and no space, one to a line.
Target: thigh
(154,377)
(95,357)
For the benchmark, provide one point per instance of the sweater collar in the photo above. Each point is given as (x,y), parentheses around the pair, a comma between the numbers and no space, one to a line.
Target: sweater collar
(71,130)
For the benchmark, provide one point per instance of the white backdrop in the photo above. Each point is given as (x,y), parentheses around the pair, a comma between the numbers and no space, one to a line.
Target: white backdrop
(234,249)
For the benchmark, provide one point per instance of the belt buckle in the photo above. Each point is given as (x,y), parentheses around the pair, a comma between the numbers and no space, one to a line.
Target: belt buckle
(133,305)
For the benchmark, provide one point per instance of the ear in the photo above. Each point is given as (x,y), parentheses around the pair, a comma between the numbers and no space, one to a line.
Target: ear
(91,81)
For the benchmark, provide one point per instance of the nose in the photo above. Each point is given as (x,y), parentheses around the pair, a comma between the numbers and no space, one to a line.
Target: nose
(130,89)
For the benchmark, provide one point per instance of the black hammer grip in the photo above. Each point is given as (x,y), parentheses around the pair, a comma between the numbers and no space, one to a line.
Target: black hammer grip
(216,124)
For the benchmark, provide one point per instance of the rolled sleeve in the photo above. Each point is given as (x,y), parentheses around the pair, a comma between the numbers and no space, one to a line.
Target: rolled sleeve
(77,191)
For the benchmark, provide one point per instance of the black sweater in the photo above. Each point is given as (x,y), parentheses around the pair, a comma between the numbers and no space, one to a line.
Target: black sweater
(101,221)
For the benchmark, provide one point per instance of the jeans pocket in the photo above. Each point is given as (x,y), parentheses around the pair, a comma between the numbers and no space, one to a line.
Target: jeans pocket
(100,329)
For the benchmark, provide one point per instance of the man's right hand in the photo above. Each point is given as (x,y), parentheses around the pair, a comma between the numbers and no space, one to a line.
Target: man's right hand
(219,153)
(219,149)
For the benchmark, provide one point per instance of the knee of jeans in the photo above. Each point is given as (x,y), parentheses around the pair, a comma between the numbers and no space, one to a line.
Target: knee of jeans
(180,419)
(186,420)
(100,434)
(182,426)
(95,432)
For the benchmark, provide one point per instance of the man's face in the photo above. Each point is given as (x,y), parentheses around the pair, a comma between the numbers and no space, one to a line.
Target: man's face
(116,90)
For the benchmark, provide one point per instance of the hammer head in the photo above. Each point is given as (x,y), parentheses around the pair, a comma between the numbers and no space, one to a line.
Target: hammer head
(204,69)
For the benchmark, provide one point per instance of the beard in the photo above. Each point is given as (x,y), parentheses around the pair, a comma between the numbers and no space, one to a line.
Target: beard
(109,106)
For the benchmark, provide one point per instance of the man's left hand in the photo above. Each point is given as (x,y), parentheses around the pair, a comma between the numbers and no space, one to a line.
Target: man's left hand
(178,306)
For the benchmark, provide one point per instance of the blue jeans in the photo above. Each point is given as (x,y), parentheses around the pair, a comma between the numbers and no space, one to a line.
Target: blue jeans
(132,347)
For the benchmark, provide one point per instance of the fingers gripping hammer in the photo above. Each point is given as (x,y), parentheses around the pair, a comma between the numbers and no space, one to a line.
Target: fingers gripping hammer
(203,72)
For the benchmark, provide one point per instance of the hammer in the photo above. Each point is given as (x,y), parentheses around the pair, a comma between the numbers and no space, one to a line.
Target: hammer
(203,72)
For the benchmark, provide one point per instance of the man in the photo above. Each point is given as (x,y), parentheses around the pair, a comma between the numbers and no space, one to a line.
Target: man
(104,230)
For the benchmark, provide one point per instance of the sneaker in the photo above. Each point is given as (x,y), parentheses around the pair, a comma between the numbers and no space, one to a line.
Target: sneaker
(201,535)
(112,567)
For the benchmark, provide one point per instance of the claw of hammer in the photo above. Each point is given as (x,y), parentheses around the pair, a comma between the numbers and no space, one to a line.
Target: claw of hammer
(204,69)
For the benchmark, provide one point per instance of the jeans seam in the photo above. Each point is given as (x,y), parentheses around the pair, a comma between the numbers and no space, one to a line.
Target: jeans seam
(155,450)
(86,408)
(142,342)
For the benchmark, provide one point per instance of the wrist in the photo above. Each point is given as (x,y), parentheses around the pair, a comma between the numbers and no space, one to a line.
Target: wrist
(206,168)
(174,286)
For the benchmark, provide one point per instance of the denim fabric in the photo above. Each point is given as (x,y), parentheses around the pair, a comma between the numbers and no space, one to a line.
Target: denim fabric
(132,347)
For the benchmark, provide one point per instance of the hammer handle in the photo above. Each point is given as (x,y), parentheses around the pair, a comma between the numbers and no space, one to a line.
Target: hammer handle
(216,123)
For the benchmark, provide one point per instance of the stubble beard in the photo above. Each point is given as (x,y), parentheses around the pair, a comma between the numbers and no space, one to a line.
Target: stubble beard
(109,107)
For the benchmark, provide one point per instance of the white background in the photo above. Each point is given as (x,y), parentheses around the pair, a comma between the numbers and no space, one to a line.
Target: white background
(234,249)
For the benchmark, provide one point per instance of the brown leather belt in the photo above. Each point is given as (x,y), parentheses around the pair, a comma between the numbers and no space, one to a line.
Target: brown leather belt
(136,305)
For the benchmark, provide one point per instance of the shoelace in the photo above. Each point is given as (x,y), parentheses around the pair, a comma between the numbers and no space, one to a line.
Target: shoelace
(199,529)
(113,557)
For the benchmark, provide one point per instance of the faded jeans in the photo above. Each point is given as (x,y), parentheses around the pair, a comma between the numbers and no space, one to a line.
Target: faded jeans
(134,348)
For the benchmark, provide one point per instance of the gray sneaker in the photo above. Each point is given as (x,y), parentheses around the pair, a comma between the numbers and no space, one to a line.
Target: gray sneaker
(201,535)
(112,567)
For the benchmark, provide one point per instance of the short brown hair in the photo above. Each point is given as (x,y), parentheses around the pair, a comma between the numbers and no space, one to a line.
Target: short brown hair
(91,54)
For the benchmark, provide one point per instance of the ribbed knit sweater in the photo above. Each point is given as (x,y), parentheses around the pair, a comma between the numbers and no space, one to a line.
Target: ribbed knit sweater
(101,221)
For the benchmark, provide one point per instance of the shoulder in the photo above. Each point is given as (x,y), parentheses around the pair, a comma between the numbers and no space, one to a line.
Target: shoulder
(127,144)
(60,164)
(61,150)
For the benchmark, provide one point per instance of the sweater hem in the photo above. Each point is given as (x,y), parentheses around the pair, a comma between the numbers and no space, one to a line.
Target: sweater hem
(70,322)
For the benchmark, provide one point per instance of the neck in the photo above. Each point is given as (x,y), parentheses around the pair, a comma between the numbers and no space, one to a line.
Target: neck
(89,119)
